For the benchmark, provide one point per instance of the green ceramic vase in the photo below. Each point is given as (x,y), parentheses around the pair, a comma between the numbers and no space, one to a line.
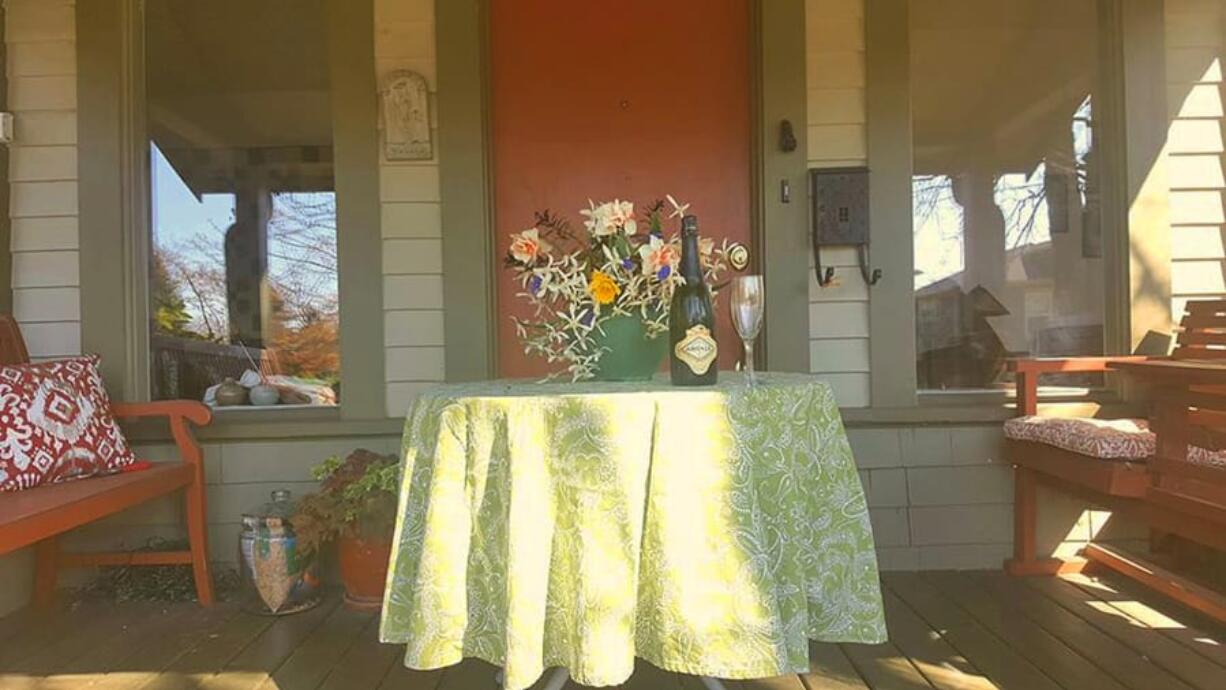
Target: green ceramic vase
(630,355)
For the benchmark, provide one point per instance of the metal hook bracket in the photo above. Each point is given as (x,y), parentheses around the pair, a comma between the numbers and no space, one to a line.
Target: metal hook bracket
(870,276)
(824,275)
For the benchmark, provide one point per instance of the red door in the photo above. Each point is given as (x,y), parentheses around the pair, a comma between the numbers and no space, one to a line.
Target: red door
(632,99)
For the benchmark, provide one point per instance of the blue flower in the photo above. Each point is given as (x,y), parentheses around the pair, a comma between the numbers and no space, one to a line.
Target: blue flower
(664,273)
(627,263)
(534,284)
(586,318)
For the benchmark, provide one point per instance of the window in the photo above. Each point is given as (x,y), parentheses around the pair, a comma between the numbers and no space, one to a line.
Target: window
(243,274)
(1007,232)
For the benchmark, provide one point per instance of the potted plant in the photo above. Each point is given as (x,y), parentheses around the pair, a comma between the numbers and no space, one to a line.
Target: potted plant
(600,297)
(355,507)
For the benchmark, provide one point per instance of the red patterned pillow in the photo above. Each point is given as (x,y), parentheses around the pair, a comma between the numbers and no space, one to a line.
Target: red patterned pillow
(56,424)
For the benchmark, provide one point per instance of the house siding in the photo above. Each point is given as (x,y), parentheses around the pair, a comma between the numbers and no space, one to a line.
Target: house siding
(42,92)
(412,229)
(41,66)
(835,79)
(240,476)
(1195,47)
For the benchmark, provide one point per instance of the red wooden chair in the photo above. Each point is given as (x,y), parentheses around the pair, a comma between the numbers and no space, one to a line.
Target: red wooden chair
(38,516)
(1186,497)
(1106,462)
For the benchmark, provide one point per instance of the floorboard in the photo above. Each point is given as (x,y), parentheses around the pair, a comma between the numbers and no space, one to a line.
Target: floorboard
(65,649)
(144,664)
(948,631)
(687,683)
(1002,664)
(141,635)
(885,668)
(791,682)
(1179,661)
(44,631)
(944,667)
(212,653)
(266,653)
(1046,651)
(1112,656)
(470,674)
(366,663)
(648,677)
(1187,627)
(399,677)
(830,669)
(310,663)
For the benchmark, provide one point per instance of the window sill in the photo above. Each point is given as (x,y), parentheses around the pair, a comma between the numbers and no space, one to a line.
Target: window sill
(271,424)
(926,414)
(968,409)
(985,408)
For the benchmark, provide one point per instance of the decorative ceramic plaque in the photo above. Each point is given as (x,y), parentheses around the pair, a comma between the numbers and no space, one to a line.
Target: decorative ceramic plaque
(405,109)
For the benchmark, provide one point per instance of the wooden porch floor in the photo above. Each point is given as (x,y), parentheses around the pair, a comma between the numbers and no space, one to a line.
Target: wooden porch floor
(951,631)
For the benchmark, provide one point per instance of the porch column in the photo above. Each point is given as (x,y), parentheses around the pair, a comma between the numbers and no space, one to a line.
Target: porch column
(246,246)
(983,231)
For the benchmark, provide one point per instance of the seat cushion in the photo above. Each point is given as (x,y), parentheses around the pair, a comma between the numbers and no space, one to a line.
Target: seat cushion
(56,424)
(1109,439)
(1206,457)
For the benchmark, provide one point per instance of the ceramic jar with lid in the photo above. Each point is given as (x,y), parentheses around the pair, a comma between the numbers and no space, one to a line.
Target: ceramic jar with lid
(230,393)
(275,580)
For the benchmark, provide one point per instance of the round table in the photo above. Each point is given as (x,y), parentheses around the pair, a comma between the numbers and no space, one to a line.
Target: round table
(710,531)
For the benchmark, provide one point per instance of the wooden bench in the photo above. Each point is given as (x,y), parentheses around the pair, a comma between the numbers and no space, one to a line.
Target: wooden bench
(37,517)
(1186,497)
(1120,484)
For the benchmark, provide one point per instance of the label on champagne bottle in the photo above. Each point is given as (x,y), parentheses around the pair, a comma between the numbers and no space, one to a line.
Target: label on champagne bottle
(697,349)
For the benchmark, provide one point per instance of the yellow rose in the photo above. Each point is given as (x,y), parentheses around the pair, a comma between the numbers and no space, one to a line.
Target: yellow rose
(602,287)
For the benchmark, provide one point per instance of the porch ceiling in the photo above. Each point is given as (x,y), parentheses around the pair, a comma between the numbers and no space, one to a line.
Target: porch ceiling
(997,80)
(203,93)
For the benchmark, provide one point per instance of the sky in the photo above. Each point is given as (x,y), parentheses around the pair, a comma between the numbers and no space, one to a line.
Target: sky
(177,214)
(195,228)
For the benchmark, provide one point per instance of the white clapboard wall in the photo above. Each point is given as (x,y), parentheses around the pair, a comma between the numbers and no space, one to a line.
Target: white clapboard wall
(838,315)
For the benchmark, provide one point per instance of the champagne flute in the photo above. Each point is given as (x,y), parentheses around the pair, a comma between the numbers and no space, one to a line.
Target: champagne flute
(748,306)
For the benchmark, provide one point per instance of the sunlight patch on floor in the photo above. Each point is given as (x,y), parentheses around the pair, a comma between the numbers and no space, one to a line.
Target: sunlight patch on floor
(943,670)
(1088,583)
(1148,616)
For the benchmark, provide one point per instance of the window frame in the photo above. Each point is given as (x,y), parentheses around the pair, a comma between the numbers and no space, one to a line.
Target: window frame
(1131,81)
(115,226)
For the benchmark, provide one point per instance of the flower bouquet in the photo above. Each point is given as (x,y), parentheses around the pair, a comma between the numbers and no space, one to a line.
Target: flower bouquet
(584,286)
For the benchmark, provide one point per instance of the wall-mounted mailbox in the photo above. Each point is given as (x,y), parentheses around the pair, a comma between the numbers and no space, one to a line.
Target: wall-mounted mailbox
(840,205)
(840,217)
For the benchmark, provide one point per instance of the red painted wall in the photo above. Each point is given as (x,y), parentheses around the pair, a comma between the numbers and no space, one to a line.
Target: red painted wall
(632,99)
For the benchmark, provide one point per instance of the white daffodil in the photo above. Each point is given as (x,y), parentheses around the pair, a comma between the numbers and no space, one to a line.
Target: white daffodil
(679,209)
(659,258)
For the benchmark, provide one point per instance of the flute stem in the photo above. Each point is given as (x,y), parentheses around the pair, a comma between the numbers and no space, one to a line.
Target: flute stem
(750,375)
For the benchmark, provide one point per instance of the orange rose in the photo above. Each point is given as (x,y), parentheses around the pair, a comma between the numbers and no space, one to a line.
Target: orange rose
(527,246)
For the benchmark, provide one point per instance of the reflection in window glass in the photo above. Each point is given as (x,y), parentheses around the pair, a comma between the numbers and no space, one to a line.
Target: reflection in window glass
(1007,239)
(242,204)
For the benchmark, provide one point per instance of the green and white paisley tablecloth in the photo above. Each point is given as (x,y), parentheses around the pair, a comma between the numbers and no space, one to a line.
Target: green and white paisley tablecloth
(710,531)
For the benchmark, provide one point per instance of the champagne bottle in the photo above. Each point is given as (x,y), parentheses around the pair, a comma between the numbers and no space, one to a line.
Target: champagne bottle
(691,319)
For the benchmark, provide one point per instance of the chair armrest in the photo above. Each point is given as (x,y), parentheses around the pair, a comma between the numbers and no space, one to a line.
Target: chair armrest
(1028,371)
(1051,365)
(194,412)
(178,413)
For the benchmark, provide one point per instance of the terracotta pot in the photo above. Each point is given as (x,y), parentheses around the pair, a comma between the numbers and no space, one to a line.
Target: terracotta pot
(363,572)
